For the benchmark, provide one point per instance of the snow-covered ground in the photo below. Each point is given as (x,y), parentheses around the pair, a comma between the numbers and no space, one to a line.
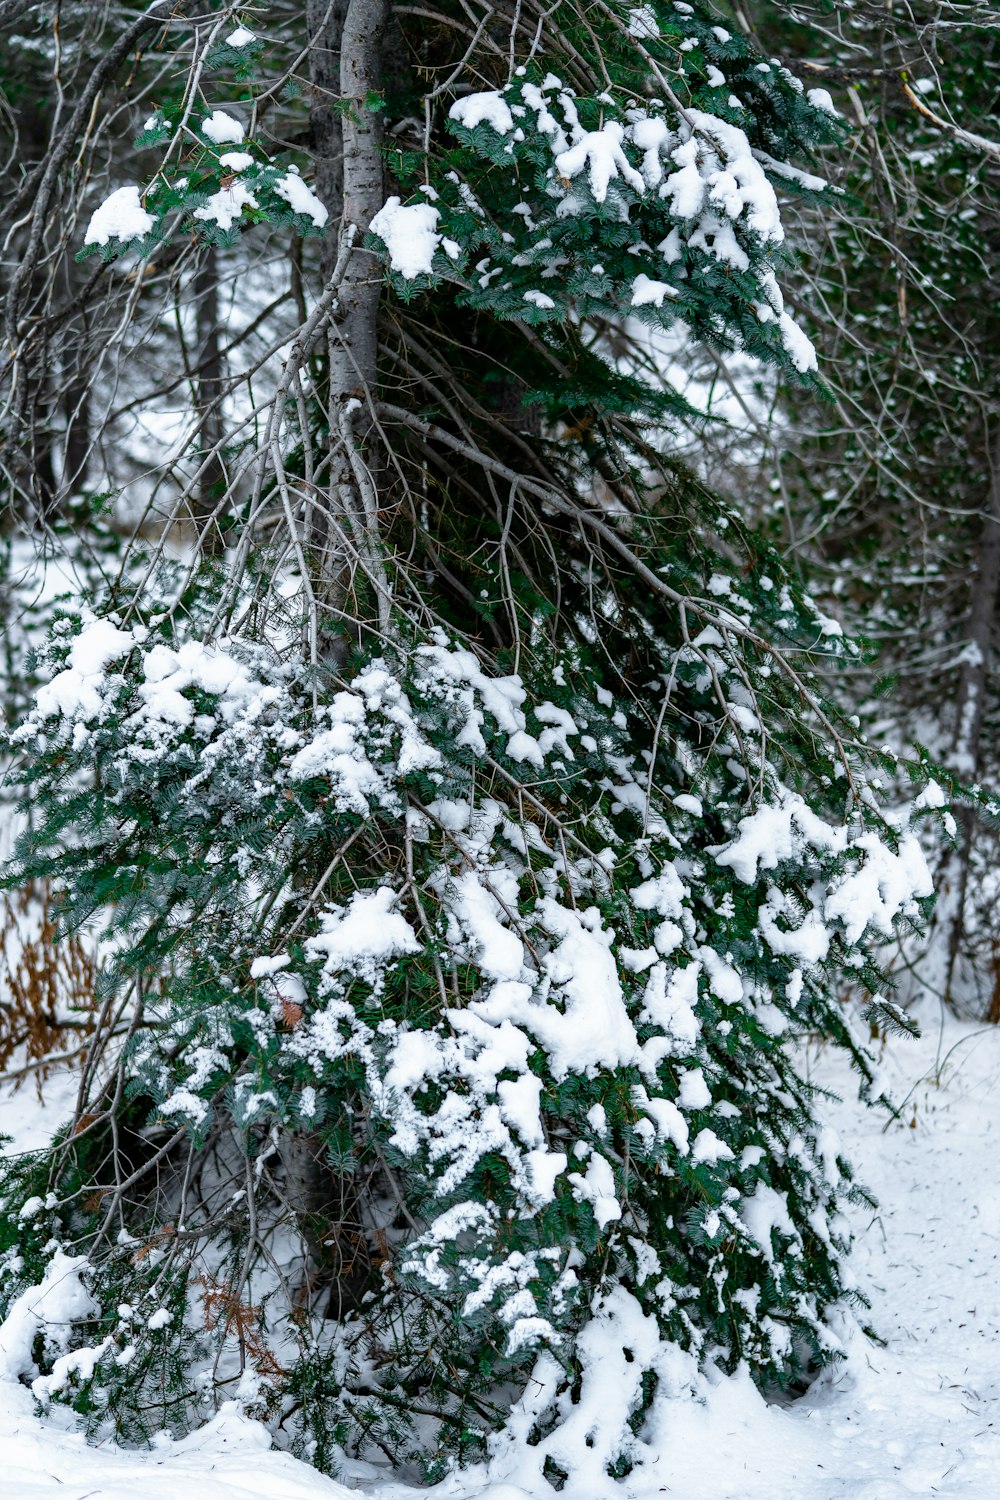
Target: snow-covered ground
(920,1416)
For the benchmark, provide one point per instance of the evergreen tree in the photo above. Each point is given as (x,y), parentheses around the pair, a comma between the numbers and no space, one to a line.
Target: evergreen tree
(469,837)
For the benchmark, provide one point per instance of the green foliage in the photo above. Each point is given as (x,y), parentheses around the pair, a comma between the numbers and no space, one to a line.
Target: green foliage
(559,206)
(210,181)
(457,964)
(552,1065)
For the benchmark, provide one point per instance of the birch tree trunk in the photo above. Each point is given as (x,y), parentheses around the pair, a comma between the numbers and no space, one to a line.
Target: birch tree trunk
(354,345)
(346,39)
(346,47)
(352,342)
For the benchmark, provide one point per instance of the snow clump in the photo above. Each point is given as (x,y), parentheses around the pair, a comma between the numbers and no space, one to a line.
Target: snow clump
(120,217)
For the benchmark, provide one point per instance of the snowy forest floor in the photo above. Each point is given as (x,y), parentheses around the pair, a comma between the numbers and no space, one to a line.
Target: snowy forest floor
(920,1416)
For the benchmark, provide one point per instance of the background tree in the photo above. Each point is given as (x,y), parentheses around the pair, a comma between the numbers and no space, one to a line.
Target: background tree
(889,495)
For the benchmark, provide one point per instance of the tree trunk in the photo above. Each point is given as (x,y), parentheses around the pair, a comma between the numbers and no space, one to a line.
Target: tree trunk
(208,375)
(969,711)
(76,383)
(325,26)
(349,174)
(328,1210)
(76,442)
(355,344)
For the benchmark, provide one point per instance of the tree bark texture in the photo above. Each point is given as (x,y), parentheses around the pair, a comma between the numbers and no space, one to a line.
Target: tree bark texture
(208,375)
(346,43)
(325,25)
(352,333)
(354,347)
(969,709)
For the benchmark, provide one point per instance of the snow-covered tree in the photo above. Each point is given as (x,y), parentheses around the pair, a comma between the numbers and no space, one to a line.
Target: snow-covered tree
(448,776)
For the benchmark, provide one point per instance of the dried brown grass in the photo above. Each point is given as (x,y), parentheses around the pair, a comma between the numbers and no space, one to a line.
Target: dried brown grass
(47,988)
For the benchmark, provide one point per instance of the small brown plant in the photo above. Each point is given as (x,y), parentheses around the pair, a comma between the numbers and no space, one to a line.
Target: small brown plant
(291,1014)
(992,1015)
(222,1307)
(47,988)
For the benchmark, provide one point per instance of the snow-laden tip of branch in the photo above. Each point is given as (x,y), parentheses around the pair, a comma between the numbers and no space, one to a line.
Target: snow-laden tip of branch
(120,217)
(489,106)
(48,1310)
(686,165)
(600,152)
(409,233)
(368,932)
(301,198)
(221,128)
(226,206)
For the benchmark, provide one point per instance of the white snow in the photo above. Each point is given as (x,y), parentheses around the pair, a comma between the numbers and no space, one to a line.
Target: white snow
(765,1210)
(301,198)
(264,968)
(241,37)
(736,182)
(409,232)
(708,1148)
(498,951)
(593,1029)
(797,343)
(700,166)
(76,691)
(368,930)
(917,1418)
(338,755)
(226,206)
(772,834)
(881,888)
(169,673)
(642,23)
(228,1459)
(78,1362)
(489,107)
(933,795)
(694,1092)
(220,128)
(689,804)
(120,217)
(820,99)
(184,1102)
(597,1186)
(49,1310)
(809,942)
(600,152)
(540,300)
(645,291)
